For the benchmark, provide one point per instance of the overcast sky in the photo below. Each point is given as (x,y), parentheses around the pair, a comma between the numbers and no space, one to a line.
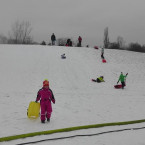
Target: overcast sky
(71,18)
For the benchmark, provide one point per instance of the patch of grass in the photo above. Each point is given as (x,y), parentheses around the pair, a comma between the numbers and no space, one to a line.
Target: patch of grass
(9,138)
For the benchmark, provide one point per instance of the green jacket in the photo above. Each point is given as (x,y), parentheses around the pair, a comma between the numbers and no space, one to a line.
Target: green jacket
(122,78)
(101,79)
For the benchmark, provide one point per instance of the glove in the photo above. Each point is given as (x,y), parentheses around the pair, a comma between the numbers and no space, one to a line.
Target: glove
(53,101)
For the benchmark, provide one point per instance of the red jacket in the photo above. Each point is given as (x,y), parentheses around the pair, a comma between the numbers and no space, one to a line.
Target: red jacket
(80,39)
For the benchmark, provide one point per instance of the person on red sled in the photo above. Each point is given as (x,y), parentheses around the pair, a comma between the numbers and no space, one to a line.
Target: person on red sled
(122,79)
(45,95)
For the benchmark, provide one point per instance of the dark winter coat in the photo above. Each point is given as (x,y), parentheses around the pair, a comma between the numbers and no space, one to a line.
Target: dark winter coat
(53,37)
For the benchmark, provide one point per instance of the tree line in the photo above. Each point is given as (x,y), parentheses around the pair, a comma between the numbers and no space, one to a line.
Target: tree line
(21,34)
(120,43)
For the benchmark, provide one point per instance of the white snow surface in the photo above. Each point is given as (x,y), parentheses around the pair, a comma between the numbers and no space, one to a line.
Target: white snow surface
(79,101)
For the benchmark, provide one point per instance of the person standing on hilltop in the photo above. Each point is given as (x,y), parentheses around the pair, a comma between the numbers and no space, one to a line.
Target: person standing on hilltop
(53,39)
(80,41)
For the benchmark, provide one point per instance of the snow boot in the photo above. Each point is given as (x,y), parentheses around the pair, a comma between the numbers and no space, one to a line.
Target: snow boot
(42,121)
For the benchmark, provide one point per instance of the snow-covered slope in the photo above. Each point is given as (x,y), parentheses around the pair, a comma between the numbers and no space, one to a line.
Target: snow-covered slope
(79,101)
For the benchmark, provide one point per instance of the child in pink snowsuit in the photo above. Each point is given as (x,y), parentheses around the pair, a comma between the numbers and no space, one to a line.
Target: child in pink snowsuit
(45,95)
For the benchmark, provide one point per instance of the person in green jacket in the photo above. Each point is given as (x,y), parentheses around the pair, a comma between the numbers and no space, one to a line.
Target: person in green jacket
(100,79)
(122,79)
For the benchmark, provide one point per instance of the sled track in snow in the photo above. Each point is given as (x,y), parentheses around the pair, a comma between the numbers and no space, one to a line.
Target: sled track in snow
(9,138)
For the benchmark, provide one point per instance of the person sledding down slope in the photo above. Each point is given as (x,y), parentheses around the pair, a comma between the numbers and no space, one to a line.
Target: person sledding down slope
(63,56)
(122,79)
(99,80)
(102,53)
(45,95)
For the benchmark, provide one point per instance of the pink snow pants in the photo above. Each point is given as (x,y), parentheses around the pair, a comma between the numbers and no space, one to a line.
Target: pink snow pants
(46,109)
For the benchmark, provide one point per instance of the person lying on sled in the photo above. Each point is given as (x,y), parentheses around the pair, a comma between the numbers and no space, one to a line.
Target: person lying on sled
(100,79)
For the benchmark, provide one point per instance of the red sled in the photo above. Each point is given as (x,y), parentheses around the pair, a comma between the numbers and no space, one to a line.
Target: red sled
(118,86)
(93,80)
(104,60)
(96,47)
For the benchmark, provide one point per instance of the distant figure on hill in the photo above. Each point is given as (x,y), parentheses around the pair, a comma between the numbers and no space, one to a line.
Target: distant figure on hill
(53,39)
(122,79)
(69,42)
(79,41)
(102,53)
(43,43)
(63,56)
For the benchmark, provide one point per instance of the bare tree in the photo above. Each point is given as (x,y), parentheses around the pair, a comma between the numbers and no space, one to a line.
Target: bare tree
(3,39)
(20,33)
(106,38)
(135,47)
(120,42)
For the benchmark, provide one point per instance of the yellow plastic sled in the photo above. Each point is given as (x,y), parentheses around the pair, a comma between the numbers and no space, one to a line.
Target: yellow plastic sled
(33,110)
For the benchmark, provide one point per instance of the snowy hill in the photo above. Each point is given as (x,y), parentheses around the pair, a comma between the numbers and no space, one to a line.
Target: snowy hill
(79,101)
